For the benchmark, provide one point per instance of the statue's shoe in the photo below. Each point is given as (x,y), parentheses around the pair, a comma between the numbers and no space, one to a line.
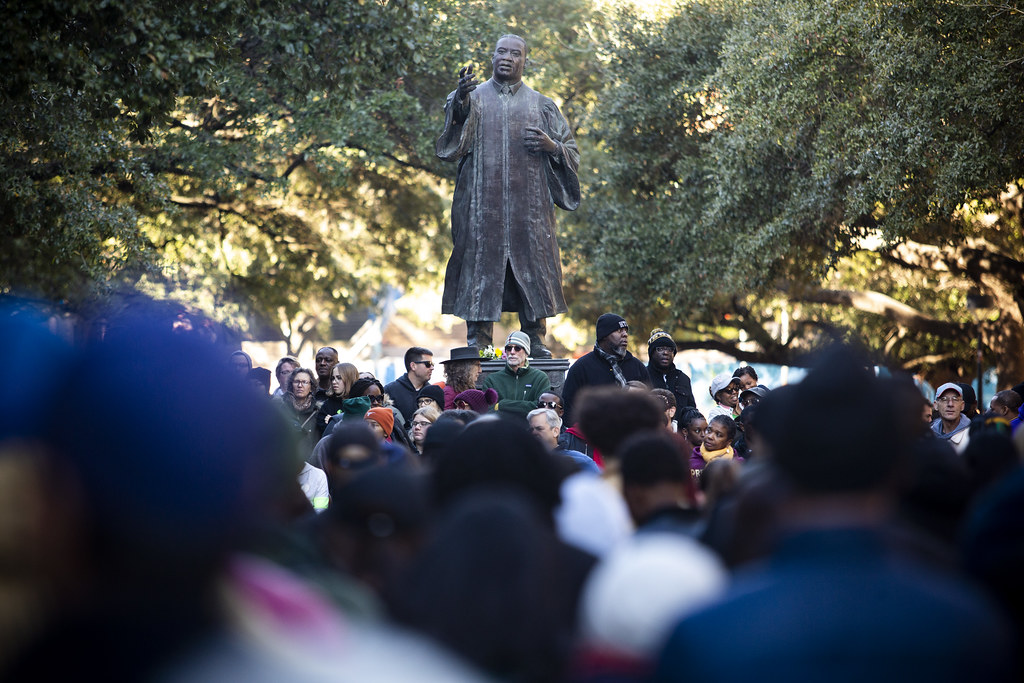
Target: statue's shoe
(538,350)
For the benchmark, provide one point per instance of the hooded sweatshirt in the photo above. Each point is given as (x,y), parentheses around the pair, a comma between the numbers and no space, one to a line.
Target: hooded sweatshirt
(958,437)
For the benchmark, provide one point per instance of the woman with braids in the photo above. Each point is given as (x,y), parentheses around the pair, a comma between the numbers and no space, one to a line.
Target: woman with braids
(460,373)
(693,425)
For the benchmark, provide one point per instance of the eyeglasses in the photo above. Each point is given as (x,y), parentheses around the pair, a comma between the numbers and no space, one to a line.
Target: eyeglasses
(301,382)
(731,390)
(750,400)
(949,399)
(509,348)
(547,404)
(420,423)
(428,363)
(376,400)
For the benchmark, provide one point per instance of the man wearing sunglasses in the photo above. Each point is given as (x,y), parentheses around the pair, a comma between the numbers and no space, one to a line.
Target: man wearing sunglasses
(725,389)
(419,366)
(518,385)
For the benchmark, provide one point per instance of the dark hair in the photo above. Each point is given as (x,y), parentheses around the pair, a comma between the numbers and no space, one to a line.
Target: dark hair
(353,432)
(990,456)
(261,375)
(439,436)
(1009,398)
(689,415)
(811,441)
(769,420)
(608,415)
(936,488)
(495,586)
(651,458)
(665,395)
(728,423)
(745,371)
(360,386)
(382,502)
(464,417)
(214,458)
(492,453)
(968,391)
(414,354)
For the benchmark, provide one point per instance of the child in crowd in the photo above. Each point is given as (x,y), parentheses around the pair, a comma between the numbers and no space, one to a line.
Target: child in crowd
(747,377)
(717,444)
(669,399)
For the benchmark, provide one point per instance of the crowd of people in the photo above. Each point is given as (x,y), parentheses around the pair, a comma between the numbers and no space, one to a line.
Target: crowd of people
(204,526)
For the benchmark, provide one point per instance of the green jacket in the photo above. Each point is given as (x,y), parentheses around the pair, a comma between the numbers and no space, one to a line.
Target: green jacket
(518,391)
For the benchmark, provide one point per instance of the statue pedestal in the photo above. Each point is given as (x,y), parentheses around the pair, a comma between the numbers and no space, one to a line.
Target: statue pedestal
(554,367)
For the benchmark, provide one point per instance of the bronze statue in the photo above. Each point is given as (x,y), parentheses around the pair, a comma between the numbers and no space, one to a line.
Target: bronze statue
(517,161)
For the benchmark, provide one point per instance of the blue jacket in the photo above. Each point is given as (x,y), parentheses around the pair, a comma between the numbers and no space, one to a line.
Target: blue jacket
(838,605)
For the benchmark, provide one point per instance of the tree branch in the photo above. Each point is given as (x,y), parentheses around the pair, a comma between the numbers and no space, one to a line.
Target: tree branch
(732,348)
(392,157)
(877,303)
(753,327)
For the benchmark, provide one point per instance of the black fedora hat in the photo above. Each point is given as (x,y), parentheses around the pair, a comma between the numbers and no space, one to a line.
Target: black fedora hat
(463,353)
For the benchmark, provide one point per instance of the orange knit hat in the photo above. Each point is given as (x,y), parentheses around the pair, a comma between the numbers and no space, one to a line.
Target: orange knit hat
(382,416)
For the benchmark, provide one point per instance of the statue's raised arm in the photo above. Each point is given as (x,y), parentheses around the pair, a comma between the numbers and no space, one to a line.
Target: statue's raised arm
(467,84)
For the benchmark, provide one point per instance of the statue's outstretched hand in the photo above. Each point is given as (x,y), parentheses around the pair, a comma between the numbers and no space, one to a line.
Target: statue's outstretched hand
(536,140)
(467,83)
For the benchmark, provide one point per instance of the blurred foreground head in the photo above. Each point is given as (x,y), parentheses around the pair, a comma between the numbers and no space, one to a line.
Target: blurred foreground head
(841,429)
(165,460)
(494,454)
(608,415)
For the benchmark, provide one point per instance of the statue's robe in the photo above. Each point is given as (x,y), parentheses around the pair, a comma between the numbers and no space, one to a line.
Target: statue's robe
(503,209)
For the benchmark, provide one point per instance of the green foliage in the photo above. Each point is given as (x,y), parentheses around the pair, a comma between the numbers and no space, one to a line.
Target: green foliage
(219,150)
(753,145)
(269,161)
(642,219)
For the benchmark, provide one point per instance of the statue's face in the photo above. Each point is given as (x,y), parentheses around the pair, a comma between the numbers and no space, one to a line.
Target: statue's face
(508,60)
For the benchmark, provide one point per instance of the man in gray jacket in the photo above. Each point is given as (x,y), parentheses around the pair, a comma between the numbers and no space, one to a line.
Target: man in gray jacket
(952,424)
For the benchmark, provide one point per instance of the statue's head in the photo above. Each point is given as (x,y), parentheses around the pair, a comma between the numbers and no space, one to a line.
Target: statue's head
(509,58)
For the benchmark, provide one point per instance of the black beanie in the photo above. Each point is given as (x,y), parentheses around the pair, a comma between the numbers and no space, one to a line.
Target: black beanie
(608,323)
(431,391)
